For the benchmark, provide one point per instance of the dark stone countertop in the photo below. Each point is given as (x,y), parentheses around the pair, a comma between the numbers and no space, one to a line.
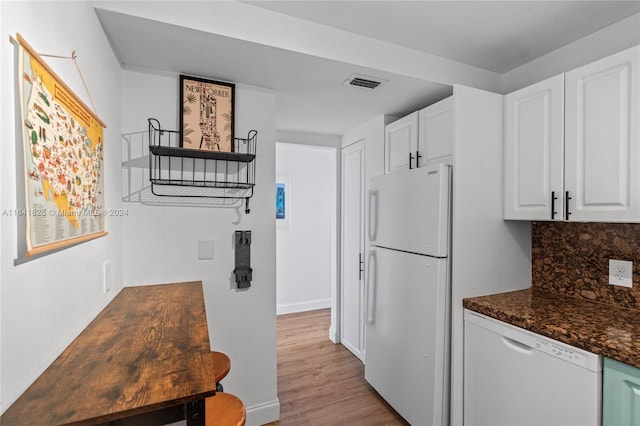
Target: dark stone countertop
(595,327)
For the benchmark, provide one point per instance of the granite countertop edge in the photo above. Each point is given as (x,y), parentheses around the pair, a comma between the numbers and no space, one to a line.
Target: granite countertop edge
(611,331)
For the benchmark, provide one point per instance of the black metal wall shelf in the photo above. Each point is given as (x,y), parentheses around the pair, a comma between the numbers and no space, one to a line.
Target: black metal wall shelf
(195,153)
(182,172)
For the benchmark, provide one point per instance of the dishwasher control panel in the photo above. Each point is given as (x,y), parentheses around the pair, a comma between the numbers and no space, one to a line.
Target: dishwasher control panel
(561,351)
(529,340)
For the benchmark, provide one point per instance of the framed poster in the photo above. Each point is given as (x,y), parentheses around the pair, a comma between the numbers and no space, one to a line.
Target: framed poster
(281,212)
(63,148)
(283,202)
(206,121)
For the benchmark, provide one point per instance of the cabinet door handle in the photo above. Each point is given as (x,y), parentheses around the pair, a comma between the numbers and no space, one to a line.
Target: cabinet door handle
(360,266)
(418,157)
(410,160)
(566,205)
(553,205)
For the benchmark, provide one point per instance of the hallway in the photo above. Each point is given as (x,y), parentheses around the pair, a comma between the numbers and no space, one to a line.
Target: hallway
(320,383)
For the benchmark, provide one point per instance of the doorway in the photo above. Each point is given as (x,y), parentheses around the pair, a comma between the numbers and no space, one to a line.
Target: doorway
(306,221)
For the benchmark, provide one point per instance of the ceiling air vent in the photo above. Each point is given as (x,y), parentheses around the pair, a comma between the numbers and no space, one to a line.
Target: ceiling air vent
(364,81)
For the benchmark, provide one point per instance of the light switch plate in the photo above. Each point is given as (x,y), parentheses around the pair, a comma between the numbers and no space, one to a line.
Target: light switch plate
(206,250)
(620,272)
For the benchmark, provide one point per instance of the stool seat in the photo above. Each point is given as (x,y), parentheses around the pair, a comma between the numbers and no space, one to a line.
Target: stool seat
(221,365)
(224,409)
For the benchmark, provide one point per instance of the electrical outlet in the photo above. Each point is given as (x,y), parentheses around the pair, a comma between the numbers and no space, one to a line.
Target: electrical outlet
(106,277)
(620,272)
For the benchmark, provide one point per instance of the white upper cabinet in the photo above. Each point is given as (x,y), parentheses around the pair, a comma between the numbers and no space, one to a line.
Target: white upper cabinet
(572,144)
(401,143)
(420,138)
(602,140)
(534,135)
(435,138)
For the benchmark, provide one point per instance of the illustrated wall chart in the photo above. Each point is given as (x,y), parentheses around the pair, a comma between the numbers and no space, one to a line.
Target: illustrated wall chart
(63,154)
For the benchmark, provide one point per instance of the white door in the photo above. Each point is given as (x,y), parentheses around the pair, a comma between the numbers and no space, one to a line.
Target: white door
(435,136)
(534,151)
(602,140)
(401,144)
(352,276)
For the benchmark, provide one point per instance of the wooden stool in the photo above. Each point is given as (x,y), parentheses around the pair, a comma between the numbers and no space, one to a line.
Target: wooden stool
(224,409)
(221,366)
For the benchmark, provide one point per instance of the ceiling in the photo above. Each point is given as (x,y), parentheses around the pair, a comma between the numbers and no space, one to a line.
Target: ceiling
(310,95)
(494,35)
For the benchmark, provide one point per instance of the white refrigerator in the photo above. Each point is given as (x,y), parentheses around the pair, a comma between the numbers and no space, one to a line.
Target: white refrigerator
(408,293)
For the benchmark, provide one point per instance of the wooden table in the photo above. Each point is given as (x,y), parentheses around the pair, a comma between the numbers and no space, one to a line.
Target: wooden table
(146,353)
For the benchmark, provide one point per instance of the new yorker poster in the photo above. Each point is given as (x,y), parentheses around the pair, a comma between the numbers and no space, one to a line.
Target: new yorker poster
(206,122)
(63,159)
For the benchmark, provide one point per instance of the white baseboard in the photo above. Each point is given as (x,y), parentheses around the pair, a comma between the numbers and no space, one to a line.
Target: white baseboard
(333,335)
(309,305)
(263,413)
(353,350)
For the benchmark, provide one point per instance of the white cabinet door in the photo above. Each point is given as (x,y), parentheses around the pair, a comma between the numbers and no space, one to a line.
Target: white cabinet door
(401,143)
(602,140)
(601,161)
(435,137)
(352,246)
(534,137)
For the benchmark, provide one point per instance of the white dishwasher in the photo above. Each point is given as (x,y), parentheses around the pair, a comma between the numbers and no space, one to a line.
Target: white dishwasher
(515,377)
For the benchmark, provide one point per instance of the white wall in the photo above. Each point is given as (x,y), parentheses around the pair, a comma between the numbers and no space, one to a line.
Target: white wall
(47,301)
(609,40)
(306,240)
(489,255)
(162,242)
(299,138)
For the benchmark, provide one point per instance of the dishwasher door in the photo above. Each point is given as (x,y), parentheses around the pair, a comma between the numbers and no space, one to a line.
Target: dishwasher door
(515,377)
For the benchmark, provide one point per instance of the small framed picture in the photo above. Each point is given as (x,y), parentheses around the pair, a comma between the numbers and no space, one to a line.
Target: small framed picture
(207,114)
(281,212)
(283,202)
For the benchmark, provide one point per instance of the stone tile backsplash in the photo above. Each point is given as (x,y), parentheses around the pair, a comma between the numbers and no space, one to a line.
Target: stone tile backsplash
(572,259)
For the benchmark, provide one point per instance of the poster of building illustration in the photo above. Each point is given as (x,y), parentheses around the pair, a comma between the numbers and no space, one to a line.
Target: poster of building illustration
(63,159)
(206,122)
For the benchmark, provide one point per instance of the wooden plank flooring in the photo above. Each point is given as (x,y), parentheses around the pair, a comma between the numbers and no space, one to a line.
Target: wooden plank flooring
(321,383)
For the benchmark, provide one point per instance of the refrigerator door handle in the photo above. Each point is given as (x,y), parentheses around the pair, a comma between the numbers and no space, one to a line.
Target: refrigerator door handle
(371,288)
(373,215)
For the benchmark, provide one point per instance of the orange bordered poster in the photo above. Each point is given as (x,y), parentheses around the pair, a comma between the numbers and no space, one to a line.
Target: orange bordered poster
(63,159)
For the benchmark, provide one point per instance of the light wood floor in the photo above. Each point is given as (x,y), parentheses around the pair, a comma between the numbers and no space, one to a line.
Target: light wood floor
(320,383)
